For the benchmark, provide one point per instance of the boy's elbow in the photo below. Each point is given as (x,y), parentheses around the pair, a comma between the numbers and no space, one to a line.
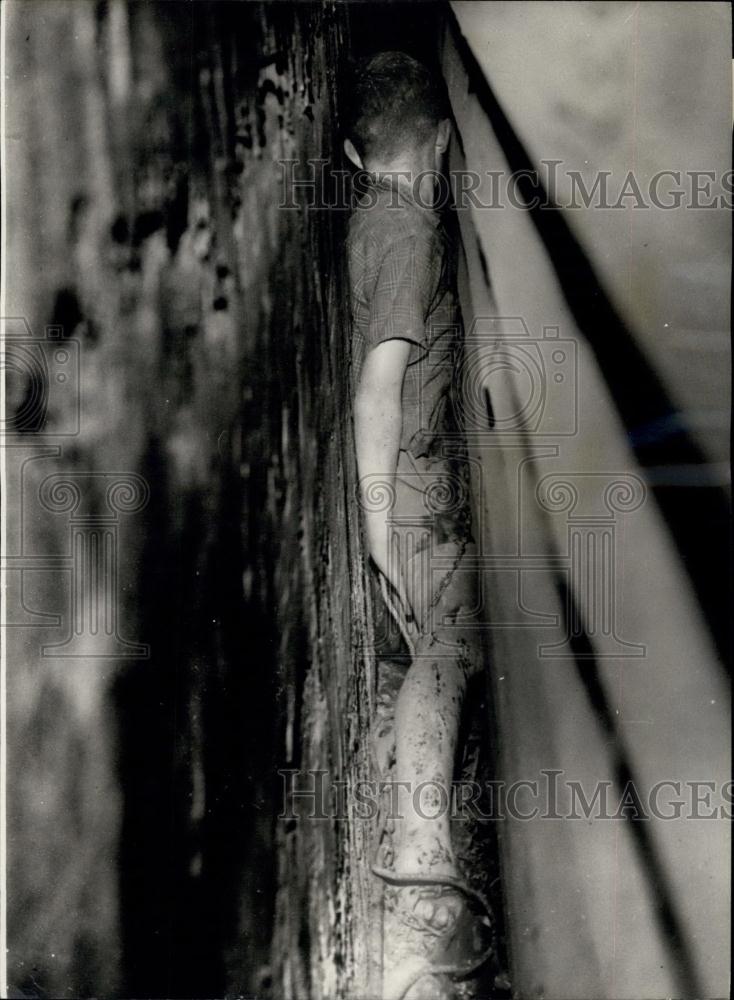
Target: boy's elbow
(381,380)
(373,392)
(374,404)
(364,398)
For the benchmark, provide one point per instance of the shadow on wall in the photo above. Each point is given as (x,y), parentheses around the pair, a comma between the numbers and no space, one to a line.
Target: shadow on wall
(698,515)
(569,700)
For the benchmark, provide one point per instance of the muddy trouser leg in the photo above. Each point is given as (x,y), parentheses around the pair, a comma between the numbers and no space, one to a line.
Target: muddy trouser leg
(429,532)
(436,923)
(427,714)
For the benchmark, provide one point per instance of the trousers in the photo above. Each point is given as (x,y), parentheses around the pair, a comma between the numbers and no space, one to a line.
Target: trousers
(429,526)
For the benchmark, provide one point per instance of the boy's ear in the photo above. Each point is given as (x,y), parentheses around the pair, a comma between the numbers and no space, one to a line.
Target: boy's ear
(353,154)
(443,135)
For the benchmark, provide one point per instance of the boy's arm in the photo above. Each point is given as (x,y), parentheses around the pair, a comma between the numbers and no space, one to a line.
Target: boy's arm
(378,423)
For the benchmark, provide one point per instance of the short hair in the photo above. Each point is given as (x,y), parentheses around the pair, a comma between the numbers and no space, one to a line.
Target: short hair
(394,102)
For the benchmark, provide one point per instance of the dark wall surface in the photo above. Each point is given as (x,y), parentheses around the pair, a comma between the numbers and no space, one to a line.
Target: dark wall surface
(145,857)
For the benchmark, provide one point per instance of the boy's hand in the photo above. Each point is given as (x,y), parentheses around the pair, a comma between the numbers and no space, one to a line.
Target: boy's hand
(378,425)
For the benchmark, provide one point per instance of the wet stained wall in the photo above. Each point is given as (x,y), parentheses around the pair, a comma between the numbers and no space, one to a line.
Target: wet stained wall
(144,854)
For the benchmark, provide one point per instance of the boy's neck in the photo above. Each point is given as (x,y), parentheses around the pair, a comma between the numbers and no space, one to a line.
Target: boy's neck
(421,164)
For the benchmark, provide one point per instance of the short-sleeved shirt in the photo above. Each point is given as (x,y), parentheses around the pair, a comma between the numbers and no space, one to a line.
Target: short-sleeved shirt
(402,287)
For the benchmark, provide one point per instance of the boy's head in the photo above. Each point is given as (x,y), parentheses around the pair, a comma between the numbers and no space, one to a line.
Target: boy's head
(397,110)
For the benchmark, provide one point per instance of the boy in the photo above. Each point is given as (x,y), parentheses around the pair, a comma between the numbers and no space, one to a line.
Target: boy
(414,492)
